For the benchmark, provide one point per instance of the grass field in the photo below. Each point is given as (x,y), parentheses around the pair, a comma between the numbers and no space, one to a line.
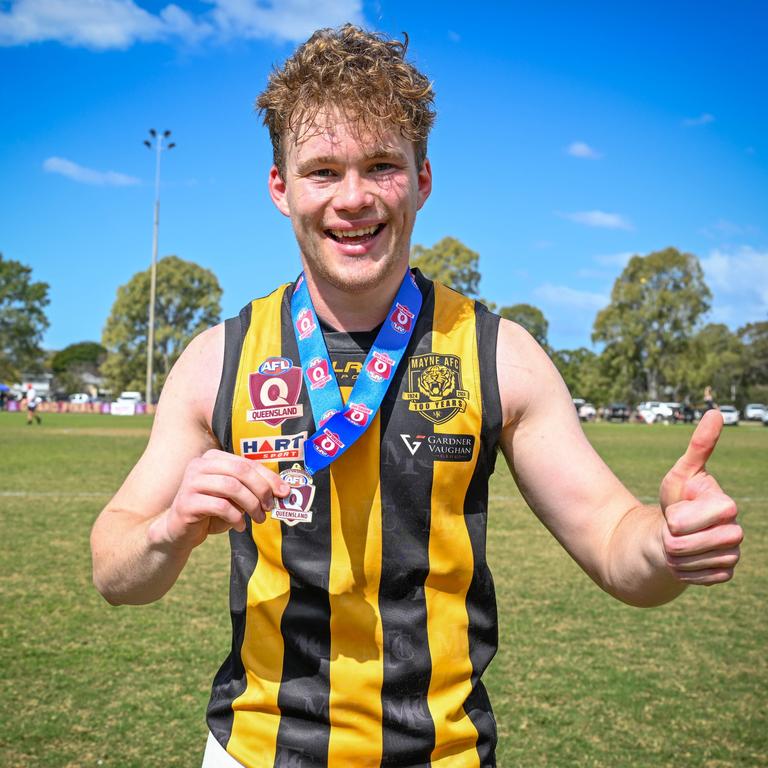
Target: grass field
(580,680)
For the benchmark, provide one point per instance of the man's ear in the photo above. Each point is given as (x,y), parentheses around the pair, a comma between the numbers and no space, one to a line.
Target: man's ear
(277,191)
(424,182)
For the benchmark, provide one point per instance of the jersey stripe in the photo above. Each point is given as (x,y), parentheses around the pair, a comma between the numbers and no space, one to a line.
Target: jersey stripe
(256,714)
(356,664)
(451,560)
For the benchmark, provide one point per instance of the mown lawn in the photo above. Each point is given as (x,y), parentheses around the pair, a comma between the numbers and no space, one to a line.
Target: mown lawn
(580,680)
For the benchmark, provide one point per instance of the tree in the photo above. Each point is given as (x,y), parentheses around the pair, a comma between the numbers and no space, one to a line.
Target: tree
(72,363)
(22,318)
(187,303)
(582,371)
(450,262)
(754,336)
(531,318)
(655,306)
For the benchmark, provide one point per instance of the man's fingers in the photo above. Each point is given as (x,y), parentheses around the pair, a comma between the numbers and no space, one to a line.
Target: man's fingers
(724,558)
(718,538)
(710,508)
(702,443)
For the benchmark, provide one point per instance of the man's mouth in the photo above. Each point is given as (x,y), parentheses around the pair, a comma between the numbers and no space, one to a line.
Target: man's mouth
(354,236)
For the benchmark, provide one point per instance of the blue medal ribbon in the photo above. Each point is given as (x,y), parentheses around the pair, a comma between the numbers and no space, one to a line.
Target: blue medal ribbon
(339,425)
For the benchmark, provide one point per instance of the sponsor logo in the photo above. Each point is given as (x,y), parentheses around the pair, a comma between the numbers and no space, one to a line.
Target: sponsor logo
(274,391)
(414,444)
(443,447)
(379,367)
(305,324)
(358,414)
(401,319)
(274,448)
(347,372)
(435,387)
(296,506)
(327,443)
(317,373)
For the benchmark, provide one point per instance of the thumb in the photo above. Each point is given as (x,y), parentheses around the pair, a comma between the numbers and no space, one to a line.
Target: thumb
(700,447)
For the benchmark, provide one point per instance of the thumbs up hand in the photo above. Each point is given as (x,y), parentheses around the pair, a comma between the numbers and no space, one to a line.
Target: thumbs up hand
(701,537)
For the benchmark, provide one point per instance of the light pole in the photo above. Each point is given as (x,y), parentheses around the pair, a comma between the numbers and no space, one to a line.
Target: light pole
(160,143)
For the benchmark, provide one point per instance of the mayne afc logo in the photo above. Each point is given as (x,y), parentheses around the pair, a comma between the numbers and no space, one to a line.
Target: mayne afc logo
(327,443)
(305,324)
(379,367)
(317,373)
(274,391)
(401,319)
(358,414)
(274,448)
(435,387)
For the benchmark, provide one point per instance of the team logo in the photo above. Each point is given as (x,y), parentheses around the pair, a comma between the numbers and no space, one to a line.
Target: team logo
(327,443)
(274,448)
(327,416)
(274,391)
(357,414)
(317,373)
(435,387)
(401,319)
(305,323)
(296,506)
(379,367)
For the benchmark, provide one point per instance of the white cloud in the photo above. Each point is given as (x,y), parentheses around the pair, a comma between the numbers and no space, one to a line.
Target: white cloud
(107,24)
(702,119)
(85,175)
(599,219)
(739,281)
(582,149)
(615,259)
(563,296)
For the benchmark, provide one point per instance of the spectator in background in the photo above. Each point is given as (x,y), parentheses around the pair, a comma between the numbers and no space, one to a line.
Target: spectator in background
(31,396)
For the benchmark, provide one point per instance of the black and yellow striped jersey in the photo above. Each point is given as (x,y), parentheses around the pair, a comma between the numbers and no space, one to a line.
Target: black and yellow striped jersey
(359,638)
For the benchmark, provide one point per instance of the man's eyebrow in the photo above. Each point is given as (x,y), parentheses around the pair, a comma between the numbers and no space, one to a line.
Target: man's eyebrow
(377,153)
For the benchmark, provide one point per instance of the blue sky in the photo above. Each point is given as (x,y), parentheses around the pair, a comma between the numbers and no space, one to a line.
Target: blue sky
(569,136)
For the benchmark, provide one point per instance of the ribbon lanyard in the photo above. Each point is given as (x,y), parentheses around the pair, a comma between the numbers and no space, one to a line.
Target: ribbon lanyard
(339,425)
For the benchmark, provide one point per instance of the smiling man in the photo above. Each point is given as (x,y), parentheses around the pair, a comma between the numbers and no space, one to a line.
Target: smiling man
(343,430)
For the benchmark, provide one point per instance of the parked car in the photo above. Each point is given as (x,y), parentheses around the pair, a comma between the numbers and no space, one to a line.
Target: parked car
(654,411)
(129,397)
(684,414)
(80,398)
(730,415)
(765,418)
(755,411)
(616,412)
(587,412)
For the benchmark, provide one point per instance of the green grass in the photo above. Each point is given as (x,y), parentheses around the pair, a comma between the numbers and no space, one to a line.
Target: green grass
(580,680)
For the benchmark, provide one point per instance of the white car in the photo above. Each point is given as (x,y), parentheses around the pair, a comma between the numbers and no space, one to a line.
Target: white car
(587,412)
(653,410)
(730,415)
(755,411)
(80,398)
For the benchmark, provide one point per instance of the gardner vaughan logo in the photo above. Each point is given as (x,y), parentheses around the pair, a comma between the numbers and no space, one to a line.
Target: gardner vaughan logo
(401,319)
(296,506)
(327,443)
(317,373)
(412,445)
(274,448)
(305,324)
(379,367)
(358,414)
(442,447)
(435,387)
(274,391)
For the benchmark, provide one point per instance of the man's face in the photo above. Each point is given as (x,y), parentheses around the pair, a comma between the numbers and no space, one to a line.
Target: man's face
(352,201)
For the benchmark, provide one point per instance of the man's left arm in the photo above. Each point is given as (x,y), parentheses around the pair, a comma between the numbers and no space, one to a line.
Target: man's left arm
(644,555)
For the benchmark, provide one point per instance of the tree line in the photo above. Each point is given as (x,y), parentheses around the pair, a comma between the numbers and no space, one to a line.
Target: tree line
(653,341)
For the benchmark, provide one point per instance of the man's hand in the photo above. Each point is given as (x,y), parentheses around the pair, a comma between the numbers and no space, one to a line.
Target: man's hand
(701,537)
(217,491)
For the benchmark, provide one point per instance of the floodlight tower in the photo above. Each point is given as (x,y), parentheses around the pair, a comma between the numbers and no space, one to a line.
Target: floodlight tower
(160,142)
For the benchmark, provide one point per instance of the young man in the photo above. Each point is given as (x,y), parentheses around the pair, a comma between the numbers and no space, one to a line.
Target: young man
(354,481)
(31,397)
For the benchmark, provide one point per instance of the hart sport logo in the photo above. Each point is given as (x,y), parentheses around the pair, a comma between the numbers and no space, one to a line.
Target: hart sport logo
(305,324)
(435,387)
(401,319)
(358,414)
(379,367)
(274,391)
(317,373)
(274,447)
(327,443)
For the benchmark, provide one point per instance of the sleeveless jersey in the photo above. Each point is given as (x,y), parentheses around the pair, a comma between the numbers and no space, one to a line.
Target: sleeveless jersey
(359,638)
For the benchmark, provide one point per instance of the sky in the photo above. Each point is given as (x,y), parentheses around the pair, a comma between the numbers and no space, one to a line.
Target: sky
(569,137)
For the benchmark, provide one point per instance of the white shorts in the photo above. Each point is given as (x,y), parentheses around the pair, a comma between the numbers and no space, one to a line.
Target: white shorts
(216,756)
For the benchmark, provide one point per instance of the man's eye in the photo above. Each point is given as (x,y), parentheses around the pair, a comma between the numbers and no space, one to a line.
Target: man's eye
(382,167)
(323,173)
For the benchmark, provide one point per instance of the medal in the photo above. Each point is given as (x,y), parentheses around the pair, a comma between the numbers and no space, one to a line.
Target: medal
(296,506)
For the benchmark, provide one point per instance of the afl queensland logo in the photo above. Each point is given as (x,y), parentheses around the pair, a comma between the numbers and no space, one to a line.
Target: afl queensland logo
(274,391)
(317,373)
(327,443)
(435,387)
(401,319)
(296,506)
(358,414)
(305,324)
(379,367)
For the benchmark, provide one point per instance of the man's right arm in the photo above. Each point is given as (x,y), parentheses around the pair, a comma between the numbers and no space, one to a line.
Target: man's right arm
(182,489)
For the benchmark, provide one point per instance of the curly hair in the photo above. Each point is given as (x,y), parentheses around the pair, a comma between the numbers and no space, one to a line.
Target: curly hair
(361,74)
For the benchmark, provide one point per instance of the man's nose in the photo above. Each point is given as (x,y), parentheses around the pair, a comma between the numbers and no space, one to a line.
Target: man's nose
(352,193)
